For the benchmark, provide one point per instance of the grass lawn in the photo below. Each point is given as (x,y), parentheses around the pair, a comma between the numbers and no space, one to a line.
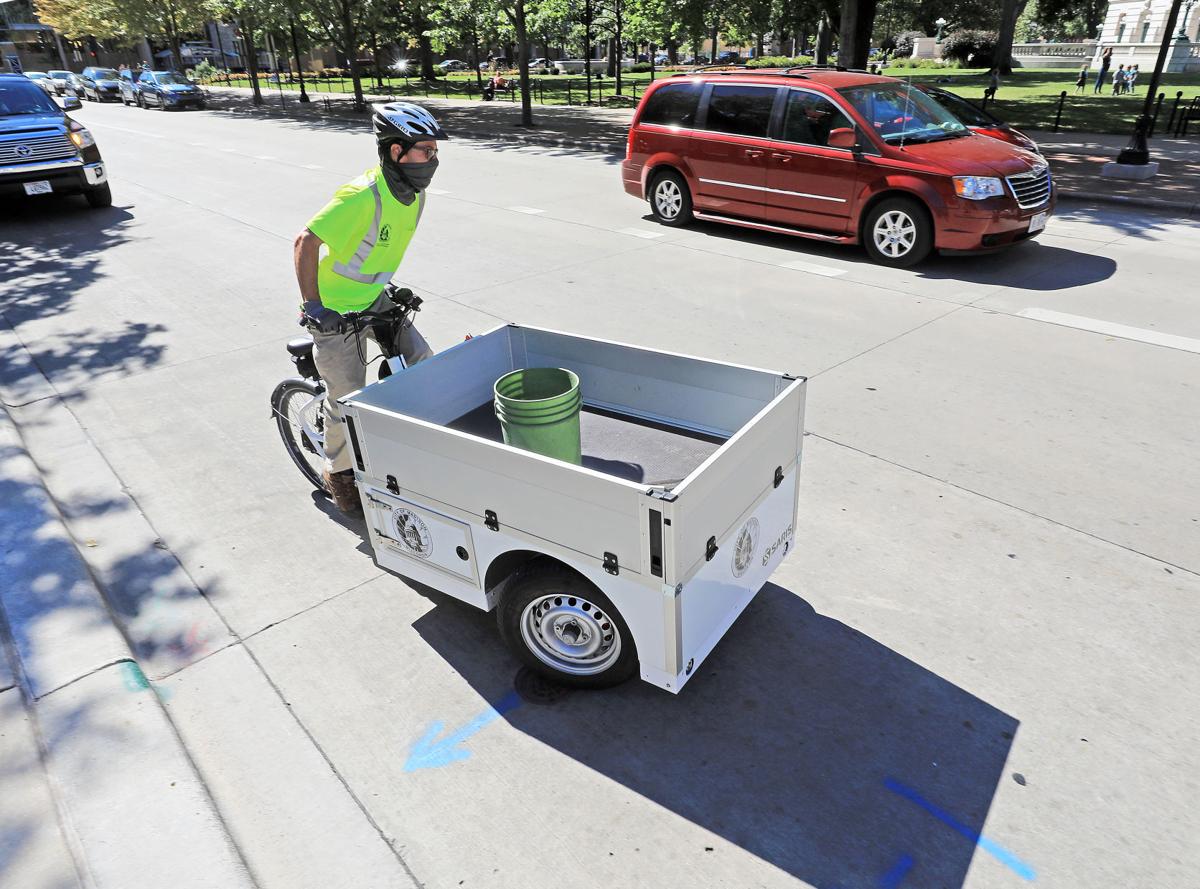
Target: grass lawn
(1028,98)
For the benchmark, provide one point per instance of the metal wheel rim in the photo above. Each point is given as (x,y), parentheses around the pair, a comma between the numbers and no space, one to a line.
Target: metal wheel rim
(570,634)
(895,233)
(668,199)
(303,414)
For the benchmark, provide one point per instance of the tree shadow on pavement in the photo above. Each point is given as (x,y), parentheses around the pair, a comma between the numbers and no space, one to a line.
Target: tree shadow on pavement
(801,740)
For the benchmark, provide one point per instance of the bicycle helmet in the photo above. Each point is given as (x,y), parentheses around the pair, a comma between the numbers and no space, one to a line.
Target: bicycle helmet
(404,122)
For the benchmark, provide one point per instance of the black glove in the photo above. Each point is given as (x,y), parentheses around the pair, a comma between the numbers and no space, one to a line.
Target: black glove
(323,319)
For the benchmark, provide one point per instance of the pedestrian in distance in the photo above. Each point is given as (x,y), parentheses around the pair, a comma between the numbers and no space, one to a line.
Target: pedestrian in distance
(994,81)
(1105,64)
(366,229)
(1081,80)
(1118,81)
(1131,77)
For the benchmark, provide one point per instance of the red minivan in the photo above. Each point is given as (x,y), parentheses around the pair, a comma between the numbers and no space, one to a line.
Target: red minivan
(834,155)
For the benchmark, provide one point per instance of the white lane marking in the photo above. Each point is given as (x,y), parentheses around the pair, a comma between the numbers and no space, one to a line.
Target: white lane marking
(532,211)
(813,269)
(198,144)
(265,157)
(230,150)
(438,191)
(1108,328)
(312,166)
(127,130)
(640,233)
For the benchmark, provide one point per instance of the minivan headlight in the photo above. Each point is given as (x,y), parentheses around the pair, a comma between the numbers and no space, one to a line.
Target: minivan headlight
(976,188)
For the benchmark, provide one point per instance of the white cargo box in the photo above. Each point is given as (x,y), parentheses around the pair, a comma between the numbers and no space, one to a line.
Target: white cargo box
(684,504)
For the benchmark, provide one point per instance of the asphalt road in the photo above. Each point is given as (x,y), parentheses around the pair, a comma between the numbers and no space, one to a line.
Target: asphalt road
(977,669)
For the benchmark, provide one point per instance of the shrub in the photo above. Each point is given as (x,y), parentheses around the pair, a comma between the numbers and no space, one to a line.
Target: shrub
(970,47)
(779,61)
(205,71)
(904,43)
(921,63)
(641,68)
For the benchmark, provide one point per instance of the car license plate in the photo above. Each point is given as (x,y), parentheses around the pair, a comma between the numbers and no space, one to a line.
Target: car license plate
(40,187)
(1037,223)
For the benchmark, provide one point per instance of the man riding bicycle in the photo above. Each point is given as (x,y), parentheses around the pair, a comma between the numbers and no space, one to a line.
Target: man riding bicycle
(366,229)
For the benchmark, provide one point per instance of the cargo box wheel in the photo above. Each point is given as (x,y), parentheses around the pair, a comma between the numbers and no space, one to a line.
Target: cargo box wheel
(565,628)
(670,200)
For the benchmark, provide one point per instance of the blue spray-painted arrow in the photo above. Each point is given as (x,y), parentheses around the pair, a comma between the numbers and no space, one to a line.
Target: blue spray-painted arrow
(427,753)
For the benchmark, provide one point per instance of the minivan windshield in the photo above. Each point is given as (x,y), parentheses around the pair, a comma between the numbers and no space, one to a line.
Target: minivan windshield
(902,113)
(104,74)
(17,97)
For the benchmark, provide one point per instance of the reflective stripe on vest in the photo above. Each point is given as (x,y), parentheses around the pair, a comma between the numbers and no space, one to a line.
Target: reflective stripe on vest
(353,268)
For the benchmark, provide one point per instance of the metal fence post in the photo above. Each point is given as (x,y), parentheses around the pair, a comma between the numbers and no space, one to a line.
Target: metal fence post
(1174,110)
(1062,97)
(1157,109)
(568,92)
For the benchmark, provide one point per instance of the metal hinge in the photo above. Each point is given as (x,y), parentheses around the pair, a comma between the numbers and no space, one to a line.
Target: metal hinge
(710,549)
(778,476)
(490,521)
(378,502)
(393,485)
(610,564)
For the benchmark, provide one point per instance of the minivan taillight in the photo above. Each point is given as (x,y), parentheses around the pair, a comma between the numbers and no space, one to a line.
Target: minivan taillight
(629,145)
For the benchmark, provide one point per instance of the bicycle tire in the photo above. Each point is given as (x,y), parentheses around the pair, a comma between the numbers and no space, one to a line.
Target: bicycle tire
(308,462)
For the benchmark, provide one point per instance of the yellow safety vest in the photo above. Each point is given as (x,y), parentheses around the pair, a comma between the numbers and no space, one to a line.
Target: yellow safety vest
(366,231)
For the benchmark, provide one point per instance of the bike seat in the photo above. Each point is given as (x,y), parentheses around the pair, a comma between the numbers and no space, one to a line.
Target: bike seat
(300,346)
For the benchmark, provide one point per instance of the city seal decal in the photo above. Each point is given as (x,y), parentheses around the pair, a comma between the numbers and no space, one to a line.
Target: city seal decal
(413,533)
(744,548)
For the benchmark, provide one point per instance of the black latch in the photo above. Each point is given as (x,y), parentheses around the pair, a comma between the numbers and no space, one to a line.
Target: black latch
(710,549)
(490,521)
(393,485)
(778,476)
(610,563)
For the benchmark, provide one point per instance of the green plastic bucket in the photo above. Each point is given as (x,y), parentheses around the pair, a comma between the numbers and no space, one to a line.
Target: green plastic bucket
(538,409)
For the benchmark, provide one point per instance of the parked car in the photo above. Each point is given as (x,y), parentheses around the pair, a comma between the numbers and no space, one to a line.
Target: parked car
(62,81)
(540,64)
(167,90)
(978,120)
(453,65)
(44,151)
(728,57)
(128,86)
(100,84)
(837,156)
(43,80)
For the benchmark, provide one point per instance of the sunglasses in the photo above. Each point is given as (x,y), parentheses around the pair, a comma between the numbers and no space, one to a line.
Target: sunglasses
(427,153)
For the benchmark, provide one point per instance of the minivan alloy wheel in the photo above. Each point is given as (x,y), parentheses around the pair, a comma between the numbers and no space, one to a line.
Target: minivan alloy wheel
(894,233)
(668,199)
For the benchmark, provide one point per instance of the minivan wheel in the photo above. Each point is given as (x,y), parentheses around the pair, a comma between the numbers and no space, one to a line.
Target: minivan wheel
(897,233)
(670,200)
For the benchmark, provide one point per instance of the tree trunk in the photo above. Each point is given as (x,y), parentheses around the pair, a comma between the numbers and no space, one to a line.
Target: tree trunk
(759,49)
(350,49)
(425,49)
(251,58)
(475,59)
(672,51)
(858,18)
(620,51)
(712,58)
(1010,11)
(523,49)
(824,37)
(588,17)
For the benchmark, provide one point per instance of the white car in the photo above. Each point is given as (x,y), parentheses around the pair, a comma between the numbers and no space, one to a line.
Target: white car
(453,65)
(42,79)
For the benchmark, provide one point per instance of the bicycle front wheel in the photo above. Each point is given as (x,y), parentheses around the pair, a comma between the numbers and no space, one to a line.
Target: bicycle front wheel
(297,406)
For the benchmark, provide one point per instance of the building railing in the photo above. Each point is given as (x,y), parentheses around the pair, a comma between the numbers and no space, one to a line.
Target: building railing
(1061,50)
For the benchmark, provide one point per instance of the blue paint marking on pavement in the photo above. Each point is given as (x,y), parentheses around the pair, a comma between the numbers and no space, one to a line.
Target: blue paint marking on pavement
(429,753)
(1019,867)
(893,878)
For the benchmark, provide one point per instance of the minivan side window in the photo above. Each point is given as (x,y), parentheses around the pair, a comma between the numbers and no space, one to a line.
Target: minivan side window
(673,105)
(740,110)
(809,118)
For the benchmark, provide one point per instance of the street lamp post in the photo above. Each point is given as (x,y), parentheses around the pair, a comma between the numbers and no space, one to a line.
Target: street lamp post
(941,23)
(1187,8)
(1137,152)
(299,64)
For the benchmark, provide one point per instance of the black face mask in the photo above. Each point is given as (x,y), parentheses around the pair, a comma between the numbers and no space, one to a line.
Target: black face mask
(405,180)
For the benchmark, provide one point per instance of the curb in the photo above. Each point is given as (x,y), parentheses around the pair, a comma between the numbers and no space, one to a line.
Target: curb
(1180,207)
(132,807)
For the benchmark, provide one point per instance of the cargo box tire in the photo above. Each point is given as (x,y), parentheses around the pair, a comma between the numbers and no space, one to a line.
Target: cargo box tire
(563,627)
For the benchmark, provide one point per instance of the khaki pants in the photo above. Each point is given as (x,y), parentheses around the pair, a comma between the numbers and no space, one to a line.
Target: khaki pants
(343,372)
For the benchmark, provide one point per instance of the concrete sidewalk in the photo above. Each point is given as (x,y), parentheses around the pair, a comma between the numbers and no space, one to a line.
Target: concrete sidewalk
(1076,158)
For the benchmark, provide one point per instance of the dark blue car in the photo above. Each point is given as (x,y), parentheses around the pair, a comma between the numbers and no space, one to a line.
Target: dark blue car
(166,90)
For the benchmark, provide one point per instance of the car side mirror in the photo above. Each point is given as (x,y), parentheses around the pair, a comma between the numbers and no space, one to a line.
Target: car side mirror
(843,137)
(71,103)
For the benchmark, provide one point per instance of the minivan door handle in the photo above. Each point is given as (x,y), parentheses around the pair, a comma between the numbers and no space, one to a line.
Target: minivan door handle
(782,158)
(753,152)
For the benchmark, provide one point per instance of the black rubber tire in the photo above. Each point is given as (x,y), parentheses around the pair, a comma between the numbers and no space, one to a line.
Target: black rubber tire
(291,441)
(546,578)
(684,215)
(141,102)
(99,197)
(922,243)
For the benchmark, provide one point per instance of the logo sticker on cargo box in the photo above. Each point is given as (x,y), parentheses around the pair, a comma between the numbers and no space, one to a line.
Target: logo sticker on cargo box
(743,549)
(413,533)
